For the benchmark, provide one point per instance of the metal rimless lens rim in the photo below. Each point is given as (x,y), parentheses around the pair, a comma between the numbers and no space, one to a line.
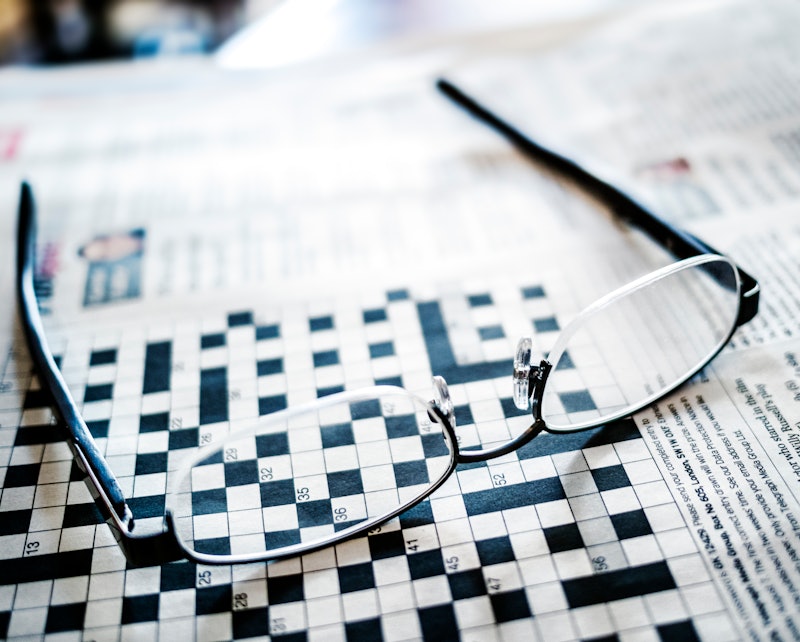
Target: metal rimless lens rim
(439,411)
(526,376)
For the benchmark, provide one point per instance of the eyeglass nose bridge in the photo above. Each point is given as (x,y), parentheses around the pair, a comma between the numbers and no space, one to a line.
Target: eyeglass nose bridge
(442,400)
(534,379)
(521,374)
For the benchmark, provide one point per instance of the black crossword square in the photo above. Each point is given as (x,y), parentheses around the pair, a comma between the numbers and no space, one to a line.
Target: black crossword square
(426,564)
(365,409)
(479,300)
(103,357)
(397,295)
(316,324)
(15,522)
(240,473)
(314,513)
(383,349)
(439,623)
(269,367)
(565,362)
(410,473)
(264,332)
(278,493)
(610,477)
(418,515)
(512,605)
(148,506)
(356,577)
(283,589)
(509,408)
(631,524)
(274,403)
(65,617)
(297,636)
(466,584)
(434,446)
(98,428)
(272,445)
(236,319)
(344,483)
(22,475)
(577,401)
(495,550)
(401,426)
(139,608)
(547,324)
(374,315)
(214,546)
(678,632)
(147,463)
(179,575)
(209,502)
(364,630)
(328,390)
(83,515)
(75,473)
(491,332)
(565,537)
(100,392)
(326,358)
(183,438)
(154,422)
(533,292)
(250,623)
(38,435)
(208,341)
(213,599)
(280,539)
(337,435)
(385,545)
(37,399)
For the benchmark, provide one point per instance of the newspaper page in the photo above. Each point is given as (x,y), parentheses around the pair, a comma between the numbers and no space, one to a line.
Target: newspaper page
(695,106)
(215,247)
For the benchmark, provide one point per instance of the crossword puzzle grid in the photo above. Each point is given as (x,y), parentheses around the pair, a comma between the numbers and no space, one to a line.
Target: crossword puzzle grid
(571,537)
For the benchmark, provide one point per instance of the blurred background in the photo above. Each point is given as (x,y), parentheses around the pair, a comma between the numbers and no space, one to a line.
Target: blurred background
(267,32)
(60,31)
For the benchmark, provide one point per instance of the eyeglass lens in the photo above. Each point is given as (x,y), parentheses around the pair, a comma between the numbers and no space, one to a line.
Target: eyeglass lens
(640,345)
(304,477)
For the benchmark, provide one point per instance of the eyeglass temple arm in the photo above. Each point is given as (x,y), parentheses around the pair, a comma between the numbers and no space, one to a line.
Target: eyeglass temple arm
(80,437)
(678,242)
(144,550)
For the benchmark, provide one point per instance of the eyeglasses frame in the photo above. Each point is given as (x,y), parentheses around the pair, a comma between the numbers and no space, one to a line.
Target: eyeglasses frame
(161,548)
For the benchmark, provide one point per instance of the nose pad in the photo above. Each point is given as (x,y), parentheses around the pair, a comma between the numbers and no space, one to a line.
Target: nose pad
(521,373)
(442,400)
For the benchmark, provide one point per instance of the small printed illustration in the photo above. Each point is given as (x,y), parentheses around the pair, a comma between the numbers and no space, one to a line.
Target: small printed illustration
(678,188)
(115,267)
(671,169)
(47,265)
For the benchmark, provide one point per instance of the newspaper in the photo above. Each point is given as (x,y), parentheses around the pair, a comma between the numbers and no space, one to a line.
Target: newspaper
(169,195)
(698,112)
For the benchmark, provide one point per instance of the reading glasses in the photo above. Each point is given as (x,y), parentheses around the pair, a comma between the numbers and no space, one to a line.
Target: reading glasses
(308,477)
